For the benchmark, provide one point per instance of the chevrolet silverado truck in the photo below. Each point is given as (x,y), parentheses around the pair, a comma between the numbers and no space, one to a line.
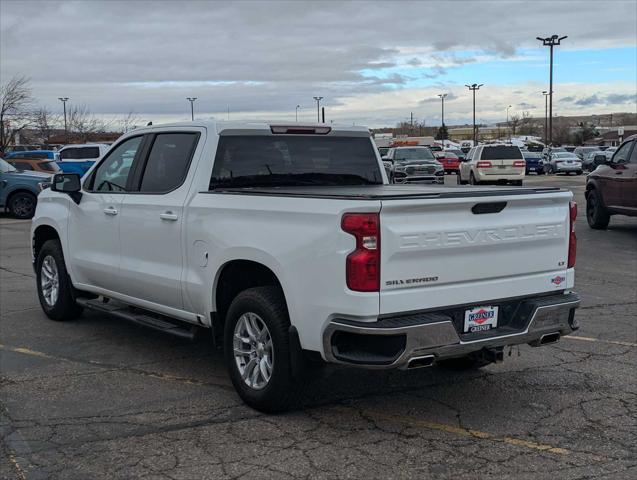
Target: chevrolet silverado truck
(288,245)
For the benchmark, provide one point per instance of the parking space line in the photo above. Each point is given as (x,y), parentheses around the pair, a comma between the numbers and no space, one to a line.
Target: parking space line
(123,368)
(599,340)
(465,432)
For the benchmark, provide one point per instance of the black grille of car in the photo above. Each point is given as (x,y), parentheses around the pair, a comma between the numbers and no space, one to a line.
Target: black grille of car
(426,170)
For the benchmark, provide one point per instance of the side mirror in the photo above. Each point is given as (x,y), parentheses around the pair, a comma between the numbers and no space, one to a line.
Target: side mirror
(385,158)
(68,183)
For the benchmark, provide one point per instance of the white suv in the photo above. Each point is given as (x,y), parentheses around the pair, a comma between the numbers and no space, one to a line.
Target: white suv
(493,163)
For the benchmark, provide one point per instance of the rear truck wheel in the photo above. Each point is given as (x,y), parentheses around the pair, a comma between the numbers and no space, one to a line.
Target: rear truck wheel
(472,179)
(55,291)
(596,214)
(258,352)
(22,205)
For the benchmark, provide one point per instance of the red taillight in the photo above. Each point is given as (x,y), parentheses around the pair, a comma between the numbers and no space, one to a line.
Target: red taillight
(572,239)
(519,163)
(362,269)
(484,164)
(300,130)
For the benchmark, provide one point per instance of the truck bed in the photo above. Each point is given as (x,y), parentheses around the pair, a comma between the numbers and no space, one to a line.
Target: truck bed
(385,192)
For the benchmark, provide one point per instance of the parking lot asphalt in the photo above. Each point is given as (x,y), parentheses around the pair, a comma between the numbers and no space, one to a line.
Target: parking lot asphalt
(101,398)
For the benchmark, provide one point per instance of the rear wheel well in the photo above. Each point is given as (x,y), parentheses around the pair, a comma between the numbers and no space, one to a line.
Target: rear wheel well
(235,277)
(41,235)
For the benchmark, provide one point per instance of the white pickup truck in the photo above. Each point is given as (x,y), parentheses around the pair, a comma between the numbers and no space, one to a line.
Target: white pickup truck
(290,246)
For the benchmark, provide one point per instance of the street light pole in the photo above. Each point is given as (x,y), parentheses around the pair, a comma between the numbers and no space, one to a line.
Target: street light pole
(442,129)
(192,107)
(473,87)
(296,113)
(318,108)
(508,128)
(64,100)
(551,42)
(546,107)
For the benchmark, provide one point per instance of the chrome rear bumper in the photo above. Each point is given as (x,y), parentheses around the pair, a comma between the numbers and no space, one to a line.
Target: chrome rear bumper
(403,339)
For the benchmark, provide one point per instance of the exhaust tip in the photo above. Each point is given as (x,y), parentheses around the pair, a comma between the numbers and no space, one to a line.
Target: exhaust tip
(549,338)
(420,362)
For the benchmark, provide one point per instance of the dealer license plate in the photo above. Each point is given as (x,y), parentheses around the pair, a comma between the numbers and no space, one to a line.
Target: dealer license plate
(480,319)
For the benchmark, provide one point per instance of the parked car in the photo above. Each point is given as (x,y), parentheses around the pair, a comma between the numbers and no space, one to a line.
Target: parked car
(287,245)
(548,151)
(534,162)
(611,189)
(33,154)
(569,148)
(19,190)
(415,165)
(35,165)
(493,163)
(449,161)
(564,162)
(581,151)
(79,158)
(457,152)
(593,159)
(383,151)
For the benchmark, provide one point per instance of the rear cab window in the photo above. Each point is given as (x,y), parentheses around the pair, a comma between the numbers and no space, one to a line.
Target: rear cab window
(294,160)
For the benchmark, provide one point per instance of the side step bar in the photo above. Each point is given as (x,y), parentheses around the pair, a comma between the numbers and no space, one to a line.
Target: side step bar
(139,316)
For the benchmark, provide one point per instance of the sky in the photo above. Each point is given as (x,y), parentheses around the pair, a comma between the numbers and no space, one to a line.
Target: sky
(374,63)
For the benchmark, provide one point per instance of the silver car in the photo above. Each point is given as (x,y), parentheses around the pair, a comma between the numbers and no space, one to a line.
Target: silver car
(564,162)
(414,165)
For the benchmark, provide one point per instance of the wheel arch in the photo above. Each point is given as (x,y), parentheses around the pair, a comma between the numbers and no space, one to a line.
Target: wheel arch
(41,235)
(233,277)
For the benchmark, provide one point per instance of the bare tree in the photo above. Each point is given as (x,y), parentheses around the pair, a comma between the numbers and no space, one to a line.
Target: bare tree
(15,101)
(514,122)
(562,134)
(528,125)
(129,122)
(82,123)
(44,122)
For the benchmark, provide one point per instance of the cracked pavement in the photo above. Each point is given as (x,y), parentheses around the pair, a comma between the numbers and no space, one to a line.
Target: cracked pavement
(101,398)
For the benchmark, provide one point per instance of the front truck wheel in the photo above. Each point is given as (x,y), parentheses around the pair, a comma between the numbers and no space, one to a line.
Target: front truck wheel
(257,350)
(55,291)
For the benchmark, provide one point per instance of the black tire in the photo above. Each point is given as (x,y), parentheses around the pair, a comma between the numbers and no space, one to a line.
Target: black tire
(472,179)
(540,172)
(579,172)
(64,306)
(597,216)
(281,391)
(22,205)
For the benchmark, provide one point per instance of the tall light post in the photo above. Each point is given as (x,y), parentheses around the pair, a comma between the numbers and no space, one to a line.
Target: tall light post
(473,87)
(192,107)
(508,128)
(296,113)
(318,108)
(442,129)
(64,100)
(551,42)
(546,107)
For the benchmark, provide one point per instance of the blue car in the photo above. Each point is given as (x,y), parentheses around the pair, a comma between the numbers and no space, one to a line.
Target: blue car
(19,190)
(534,162)
(35,154)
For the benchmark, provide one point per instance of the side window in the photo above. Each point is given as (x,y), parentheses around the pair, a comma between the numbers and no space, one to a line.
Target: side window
(23,166)
(88,152)
(621,155)
(68,154)
(633,156)
(112,174)
(168,162)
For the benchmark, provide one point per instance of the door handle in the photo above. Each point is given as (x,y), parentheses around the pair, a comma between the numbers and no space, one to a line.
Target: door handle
(110,211)
(168,216)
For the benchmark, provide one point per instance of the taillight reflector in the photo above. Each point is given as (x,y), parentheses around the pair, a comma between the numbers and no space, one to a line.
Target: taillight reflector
(519,163)
(572,239)
(484,164)
(362,269)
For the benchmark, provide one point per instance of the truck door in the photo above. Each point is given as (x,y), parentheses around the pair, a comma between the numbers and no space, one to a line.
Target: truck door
(619,177)
(629,189)
(94,223)
(152,218)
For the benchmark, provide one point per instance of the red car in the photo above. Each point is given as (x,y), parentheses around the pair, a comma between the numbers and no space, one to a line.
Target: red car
(450,161)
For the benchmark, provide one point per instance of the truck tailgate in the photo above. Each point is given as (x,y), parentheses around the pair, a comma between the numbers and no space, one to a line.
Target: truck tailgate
(452,251)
